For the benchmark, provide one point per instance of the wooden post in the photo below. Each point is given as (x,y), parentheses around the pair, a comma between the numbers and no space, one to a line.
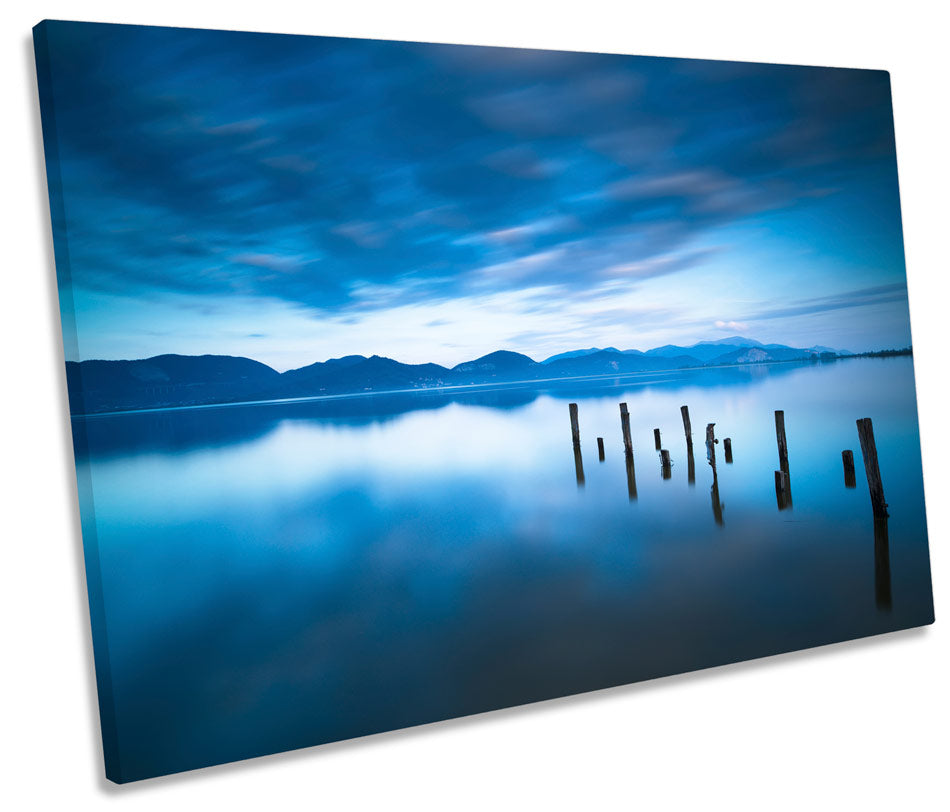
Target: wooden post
(847,459)
(781,489)
(665,462)
(780,439)
(600,448)
(727,447)
(575,427)
(625,428)
(656,438)
(711,443)
(690,465)
(783,456)
(871,468)
(684,410)
(631,476)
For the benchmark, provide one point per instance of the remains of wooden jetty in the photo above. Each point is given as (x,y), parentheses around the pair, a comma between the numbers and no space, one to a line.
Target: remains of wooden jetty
(783,490)
(871,468)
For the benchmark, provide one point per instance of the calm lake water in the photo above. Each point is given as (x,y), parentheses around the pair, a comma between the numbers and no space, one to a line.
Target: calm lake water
(282,575)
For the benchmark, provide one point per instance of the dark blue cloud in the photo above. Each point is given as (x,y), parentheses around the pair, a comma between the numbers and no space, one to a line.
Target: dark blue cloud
(313,170)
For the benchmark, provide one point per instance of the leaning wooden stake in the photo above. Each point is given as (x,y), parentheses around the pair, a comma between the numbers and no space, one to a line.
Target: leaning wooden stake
(871,468)
(727,447)
(575,427)
(780,439)
(625,428)
(656,439)
(847,459)
(684,410)
(600,448)
(783,454)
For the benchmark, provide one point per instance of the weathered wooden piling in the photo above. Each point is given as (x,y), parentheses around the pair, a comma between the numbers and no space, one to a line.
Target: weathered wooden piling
(687,428)
(625,428)
(578,465)
(600,448)
(882,565)
(665,464)
(656,439)
(711,443)
(871,468)
(575,426)
(690,465)
(631,476)
(781,490)
(847,459)
(783,456)
(727,448)
(780,440)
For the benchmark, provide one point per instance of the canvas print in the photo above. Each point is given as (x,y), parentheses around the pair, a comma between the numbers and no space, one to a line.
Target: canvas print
(411,381)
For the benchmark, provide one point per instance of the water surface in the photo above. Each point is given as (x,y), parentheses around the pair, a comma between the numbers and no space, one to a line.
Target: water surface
(265,577)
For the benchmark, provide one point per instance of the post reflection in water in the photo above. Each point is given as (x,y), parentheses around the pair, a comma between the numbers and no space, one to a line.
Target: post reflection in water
(882,565)
(714,494)
(578,465)
(631,476)
(666,466)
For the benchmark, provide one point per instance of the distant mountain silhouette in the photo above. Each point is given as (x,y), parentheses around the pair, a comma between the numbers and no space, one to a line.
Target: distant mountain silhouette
(181,380)
(500,365)
(97,386)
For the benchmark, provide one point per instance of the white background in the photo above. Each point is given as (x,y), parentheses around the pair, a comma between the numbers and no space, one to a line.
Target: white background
(861,725)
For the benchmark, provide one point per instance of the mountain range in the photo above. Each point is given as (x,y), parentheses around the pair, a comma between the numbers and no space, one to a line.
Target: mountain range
(190,380)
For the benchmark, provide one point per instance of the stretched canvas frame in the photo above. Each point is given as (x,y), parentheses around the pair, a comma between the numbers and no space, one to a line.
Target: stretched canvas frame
(410,381)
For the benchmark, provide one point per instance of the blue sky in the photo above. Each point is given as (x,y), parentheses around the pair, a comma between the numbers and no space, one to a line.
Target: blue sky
(292,199)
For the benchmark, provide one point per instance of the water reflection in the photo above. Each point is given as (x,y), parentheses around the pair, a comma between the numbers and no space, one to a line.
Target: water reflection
(714,495)
(280,576)
(847,459)
(631,476)
(783,496)
(882,565)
